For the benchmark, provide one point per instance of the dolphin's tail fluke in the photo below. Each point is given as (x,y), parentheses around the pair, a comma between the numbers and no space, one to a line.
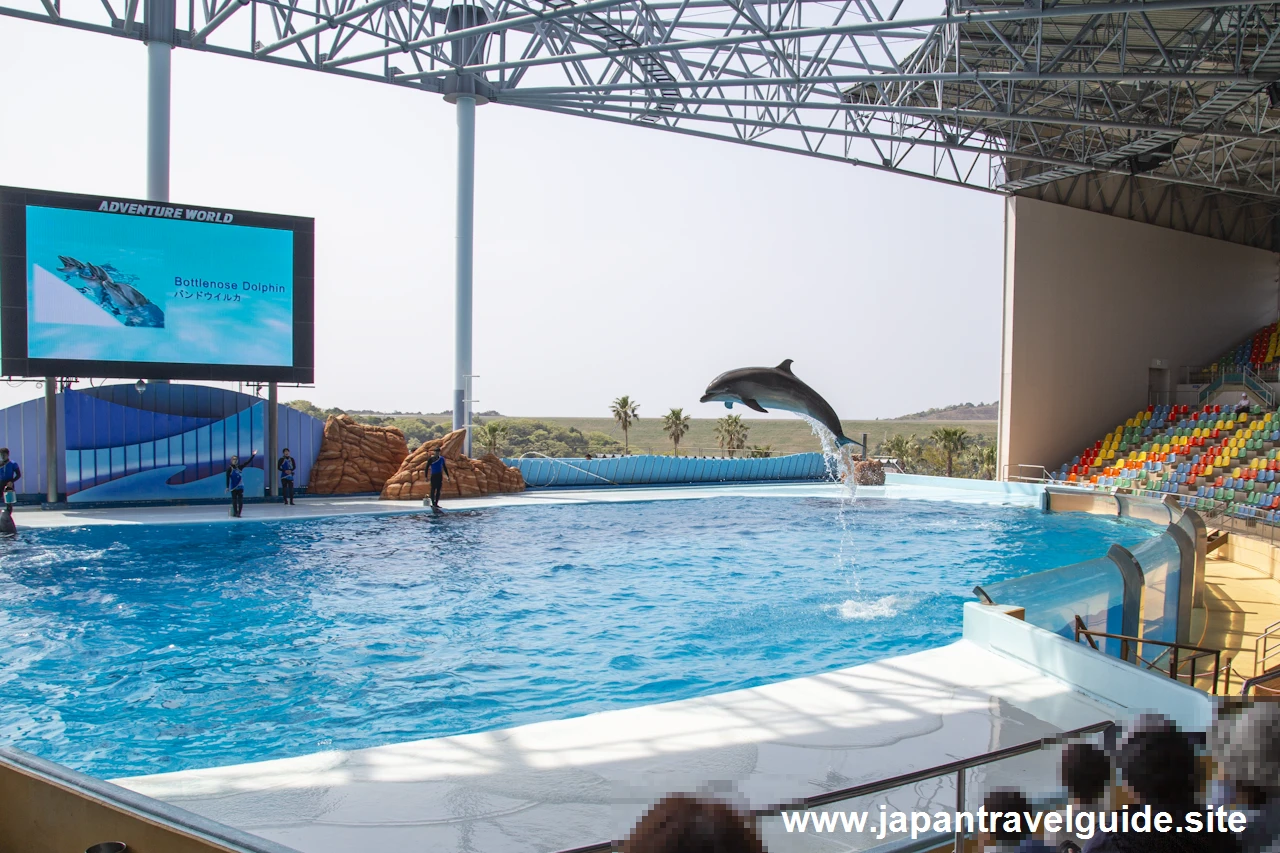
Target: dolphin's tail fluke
(842,440)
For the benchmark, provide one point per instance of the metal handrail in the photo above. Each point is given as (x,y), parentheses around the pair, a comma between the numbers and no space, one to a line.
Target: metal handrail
(1172,649)
(1247,377)
(1043,478)
(867,789)
(1260,647)
(1260,679)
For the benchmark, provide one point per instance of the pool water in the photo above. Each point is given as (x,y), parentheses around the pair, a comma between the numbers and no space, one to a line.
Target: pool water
(132,650)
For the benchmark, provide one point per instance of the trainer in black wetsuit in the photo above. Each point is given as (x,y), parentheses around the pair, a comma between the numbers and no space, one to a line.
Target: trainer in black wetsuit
(286,466)
(437,467)
(235,482)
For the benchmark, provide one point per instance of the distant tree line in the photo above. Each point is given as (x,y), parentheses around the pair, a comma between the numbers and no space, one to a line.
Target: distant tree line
(946,451)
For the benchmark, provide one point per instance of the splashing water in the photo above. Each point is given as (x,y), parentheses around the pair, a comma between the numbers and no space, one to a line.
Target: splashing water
(856,610)
(839,464)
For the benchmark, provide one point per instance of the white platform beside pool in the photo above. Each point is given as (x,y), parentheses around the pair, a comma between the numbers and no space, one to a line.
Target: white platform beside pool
(555,785)
(898,487)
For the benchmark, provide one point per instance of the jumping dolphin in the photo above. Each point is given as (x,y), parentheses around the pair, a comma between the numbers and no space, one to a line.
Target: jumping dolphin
(777,388)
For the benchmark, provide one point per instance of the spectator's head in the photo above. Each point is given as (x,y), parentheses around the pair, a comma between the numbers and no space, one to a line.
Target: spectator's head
(4,454)
(1158,763)
(1247,749)
(285,451)
(1086,772)
(680,823)
(1005,831)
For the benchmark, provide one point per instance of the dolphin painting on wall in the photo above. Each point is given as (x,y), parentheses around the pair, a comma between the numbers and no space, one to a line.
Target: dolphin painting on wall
(764,388)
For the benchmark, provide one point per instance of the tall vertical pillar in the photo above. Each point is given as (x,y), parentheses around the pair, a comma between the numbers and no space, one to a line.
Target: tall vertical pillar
(273,436)
(466,106)
(51,437)
(159,19)
(466,91)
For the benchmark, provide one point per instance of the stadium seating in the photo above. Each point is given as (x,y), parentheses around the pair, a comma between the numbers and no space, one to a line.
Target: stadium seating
(1207,459)
(1262,350)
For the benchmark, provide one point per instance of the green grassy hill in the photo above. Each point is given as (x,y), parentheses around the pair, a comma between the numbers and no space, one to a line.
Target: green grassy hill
(787,436)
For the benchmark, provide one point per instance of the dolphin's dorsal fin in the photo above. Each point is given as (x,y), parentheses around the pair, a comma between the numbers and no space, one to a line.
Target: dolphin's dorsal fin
(785,367)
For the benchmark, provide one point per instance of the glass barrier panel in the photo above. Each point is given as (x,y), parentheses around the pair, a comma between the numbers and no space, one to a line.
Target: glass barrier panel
(1092,590)
(1161,563)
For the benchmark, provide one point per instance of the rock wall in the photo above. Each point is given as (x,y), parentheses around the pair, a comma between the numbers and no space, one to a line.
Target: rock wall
(468,478)
(355,457)
(869,473)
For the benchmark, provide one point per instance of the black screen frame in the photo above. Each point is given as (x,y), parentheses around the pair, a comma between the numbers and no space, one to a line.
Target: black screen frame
(14,360)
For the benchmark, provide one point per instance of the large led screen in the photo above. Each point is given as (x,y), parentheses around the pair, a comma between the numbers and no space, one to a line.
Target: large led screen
(110,287)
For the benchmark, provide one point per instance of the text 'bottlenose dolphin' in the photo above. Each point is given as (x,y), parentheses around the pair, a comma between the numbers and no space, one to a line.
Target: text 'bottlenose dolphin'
(774,388)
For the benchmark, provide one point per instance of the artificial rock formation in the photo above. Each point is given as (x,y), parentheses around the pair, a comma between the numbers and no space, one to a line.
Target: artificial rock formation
(468,478)
(356,458)
(869,473)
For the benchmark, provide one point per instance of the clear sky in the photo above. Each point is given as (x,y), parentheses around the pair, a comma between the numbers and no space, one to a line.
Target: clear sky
(609,259)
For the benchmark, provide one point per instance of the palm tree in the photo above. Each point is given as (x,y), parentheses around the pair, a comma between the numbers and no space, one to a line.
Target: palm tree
(951,441)
(624,412)
(675,424)
(985,459)
(491,436)
(740,433)
(904,448)
(731,433)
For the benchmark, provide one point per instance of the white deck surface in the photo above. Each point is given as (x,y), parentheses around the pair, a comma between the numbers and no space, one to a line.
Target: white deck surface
(560,784)
(327,507)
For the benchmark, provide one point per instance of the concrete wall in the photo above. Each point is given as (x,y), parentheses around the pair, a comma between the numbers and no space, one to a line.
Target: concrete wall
(1130,690)
(1090,300)
(46,808)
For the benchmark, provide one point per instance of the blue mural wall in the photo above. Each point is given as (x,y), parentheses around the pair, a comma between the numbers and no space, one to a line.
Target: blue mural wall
(172,442)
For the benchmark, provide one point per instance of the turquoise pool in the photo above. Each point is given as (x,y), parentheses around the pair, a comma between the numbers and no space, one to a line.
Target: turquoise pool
(132,650)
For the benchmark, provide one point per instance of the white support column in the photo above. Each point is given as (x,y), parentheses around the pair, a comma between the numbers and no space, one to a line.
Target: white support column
(159,76)
(51,437)
(466,230)
(273,438)
(159,17)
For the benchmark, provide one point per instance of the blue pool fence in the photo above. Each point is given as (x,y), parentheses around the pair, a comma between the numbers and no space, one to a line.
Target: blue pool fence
(544,472)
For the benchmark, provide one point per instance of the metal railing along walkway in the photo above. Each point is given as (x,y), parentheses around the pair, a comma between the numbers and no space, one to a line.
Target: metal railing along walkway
(954,769)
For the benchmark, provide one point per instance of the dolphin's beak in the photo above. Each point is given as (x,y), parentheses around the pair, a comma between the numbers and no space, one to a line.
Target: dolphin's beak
(706,398)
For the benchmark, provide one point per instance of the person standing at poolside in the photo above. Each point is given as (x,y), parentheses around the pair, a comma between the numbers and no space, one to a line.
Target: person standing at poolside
(235,482)
(10,473)
(438,469)
(286,466)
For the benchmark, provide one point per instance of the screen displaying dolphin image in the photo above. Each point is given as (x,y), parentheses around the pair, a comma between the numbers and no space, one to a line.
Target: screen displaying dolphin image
(102,286)
(94,286)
